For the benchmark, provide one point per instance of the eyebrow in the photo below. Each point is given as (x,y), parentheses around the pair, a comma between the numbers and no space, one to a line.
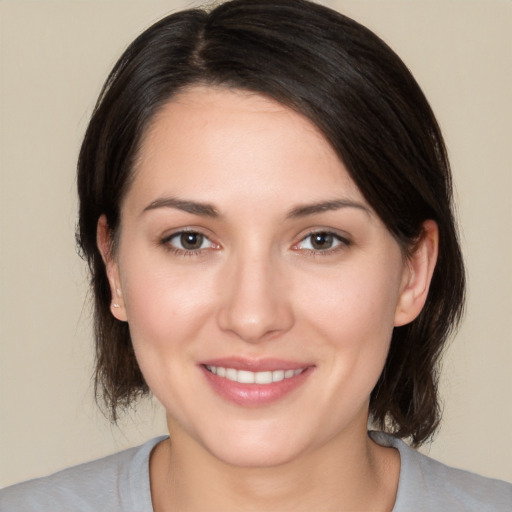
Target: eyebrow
(324,206)
(208,210)
(194,207)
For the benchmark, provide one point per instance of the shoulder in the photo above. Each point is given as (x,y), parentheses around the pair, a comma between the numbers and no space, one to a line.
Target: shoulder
(426,484)
(119,482)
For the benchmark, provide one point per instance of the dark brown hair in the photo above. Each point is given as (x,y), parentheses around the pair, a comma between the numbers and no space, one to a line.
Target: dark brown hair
(358,92)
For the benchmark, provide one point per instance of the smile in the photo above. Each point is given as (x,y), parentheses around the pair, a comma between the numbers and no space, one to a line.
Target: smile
(232,380)
(248,377)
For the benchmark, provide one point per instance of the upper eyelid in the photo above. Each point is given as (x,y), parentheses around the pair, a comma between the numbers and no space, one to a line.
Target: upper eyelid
(344,237)
(341,244)
(167,242)
(180,231)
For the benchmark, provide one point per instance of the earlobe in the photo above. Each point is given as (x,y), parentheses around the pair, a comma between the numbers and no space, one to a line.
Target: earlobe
(104,242)
(418,275)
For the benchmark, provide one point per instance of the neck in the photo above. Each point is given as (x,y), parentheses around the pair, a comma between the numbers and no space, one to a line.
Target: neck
(350,472)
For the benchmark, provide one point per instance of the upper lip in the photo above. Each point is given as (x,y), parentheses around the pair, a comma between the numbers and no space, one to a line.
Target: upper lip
(255,365)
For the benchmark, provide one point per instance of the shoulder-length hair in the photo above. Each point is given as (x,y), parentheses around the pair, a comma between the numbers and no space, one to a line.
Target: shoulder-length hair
(358,92)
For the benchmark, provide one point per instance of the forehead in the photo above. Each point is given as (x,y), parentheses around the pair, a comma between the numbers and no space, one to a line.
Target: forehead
(231,143)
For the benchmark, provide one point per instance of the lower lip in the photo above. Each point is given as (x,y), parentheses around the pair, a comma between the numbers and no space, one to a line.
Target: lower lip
(253,395)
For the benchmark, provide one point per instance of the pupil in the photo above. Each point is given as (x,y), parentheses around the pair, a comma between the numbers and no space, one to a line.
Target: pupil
(322,240)
(191,241)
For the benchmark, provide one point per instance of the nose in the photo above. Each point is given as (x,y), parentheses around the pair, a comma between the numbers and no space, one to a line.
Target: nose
(255,303)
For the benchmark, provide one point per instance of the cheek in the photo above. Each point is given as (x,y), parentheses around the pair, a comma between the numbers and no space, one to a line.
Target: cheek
(353,302)
(167,310)
(351,319)
(165,304)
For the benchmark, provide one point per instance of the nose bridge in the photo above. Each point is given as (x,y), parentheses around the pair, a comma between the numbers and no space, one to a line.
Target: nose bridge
(255,300)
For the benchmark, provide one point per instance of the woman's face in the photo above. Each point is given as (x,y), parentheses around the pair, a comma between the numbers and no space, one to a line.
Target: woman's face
(260,288)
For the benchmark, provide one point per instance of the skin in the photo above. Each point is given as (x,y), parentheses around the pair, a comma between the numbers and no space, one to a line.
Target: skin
(257,288)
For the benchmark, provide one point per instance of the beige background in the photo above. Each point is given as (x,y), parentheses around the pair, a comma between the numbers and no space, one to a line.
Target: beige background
(54,58)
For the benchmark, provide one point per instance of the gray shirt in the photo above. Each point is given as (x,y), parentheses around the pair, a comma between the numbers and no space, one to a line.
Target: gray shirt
(120,483)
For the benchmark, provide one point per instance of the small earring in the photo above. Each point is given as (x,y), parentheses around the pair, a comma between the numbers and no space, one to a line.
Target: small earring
(115,305)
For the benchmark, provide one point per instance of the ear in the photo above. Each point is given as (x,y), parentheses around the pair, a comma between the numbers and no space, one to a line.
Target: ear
(104,242)
(418,275)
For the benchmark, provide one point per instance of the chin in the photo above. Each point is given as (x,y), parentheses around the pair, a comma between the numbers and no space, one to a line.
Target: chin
(255,455)
(255,448)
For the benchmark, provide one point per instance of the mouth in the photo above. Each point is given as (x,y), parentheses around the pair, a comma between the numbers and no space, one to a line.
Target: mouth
(266,382)
(249,377)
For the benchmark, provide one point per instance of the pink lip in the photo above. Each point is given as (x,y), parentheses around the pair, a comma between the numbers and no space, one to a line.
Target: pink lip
(254,395)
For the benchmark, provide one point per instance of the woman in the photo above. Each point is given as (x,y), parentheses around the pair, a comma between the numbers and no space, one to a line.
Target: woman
(265,206)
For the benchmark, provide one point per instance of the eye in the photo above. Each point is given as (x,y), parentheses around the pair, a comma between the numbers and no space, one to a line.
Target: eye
(322,241)
(188,242)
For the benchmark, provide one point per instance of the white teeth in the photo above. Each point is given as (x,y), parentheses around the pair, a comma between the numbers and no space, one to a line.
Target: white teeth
(248,377)
(263,377)
(245,377)
(231,374)
(277,375)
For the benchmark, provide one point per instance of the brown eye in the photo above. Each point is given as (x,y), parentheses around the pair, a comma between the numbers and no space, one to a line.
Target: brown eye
(188,242)
(321,241)
(191,241)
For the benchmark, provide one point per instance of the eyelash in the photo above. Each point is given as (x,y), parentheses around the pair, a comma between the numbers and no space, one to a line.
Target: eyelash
(342,243)
(166,242)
